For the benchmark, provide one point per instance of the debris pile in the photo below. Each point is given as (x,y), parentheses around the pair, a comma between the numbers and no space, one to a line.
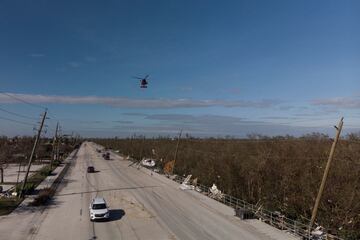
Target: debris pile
(215,192)
(185,185)
(148,162)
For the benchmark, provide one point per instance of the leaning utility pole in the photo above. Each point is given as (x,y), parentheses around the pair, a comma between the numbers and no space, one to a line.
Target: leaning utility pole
(32,154)
(326,172)
(176,151)
(58,144)
(142,148)
(53,146)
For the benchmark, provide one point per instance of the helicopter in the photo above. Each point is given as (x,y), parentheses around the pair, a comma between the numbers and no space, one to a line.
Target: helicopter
(143,81)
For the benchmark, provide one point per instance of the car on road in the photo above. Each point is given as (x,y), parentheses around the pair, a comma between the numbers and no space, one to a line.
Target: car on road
(106,156)
(90,169)
(99,209)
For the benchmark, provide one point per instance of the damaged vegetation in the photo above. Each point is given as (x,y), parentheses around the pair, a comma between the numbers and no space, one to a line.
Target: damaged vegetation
(280,173)
(17,151)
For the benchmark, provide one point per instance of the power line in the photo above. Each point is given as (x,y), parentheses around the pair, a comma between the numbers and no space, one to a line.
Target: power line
(22,100)
(16,121)
(17,114)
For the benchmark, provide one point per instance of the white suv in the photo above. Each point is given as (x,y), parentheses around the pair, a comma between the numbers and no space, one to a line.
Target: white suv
(98,209)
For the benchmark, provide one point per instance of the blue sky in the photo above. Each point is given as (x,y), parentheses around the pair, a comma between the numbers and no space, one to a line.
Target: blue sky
(216,68)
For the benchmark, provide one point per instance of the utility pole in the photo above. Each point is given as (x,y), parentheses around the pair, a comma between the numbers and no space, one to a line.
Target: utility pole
(32,154)
(53,146)
(142,148)
(176,151)
(326,172)
(18,175)
(58,148)
(2,174)
(58,144)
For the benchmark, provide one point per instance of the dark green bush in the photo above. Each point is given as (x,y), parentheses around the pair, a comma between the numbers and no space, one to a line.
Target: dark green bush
(29,188)
(43,197)
(45,171)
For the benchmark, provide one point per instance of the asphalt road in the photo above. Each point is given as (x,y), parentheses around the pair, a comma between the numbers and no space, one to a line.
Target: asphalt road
(143,206)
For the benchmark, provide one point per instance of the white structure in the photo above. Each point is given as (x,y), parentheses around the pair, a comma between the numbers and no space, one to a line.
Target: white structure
(215,192)
(148,163)
(185,185)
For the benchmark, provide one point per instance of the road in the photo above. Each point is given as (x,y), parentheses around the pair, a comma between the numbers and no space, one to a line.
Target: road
(143,206)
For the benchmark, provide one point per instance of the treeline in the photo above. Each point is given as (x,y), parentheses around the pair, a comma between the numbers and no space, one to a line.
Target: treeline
(13,150)
(279,173)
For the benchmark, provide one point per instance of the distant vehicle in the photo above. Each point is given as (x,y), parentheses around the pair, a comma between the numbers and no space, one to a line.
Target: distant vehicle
(90,169)
(143,81)
(106,156)
(98,209)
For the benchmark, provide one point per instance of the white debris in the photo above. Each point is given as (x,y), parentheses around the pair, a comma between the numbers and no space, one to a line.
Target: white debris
(215,192)
(185,185)
(148,162)
(318,231)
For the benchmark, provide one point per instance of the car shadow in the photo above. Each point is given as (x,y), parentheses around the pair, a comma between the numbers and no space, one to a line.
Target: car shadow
(115,214)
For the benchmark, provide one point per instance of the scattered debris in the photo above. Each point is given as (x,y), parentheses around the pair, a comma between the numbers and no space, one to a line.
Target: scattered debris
(185,185)
(169,167)
(194,182)
(318,232)
(148,162)
(215,192)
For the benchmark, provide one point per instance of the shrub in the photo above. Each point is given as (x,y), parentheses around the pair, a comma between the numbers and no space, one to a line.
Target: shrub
(45,171)
(43,197)
(29,188)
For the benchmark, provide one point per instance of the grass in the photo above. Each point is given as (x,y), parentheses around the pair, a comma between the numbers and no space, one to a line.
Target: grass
(7,205)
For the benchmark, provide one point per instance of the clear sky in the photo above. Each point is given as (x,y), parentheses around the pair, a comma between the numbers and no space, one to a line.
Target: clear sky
(216,67)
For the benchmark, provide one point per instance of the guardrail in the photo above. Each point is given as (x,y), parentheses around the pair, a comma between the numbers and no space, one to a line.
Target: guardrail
(68,161)
(275,219)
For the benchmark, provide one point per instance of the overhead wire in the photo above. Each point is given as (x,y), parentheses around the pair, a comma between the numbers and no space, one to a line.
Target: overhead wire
(17,114)
(23,101)
(16,121)
(51,119)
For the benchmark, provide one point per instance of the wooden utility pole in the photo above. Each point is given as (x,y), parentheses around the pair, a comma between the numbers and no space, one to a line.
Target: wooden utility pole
(58,143)
(18,175)
(2,174)
(32,154)
(53,146)
(326,172)
(142,148)
(176,151)
(58,148)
